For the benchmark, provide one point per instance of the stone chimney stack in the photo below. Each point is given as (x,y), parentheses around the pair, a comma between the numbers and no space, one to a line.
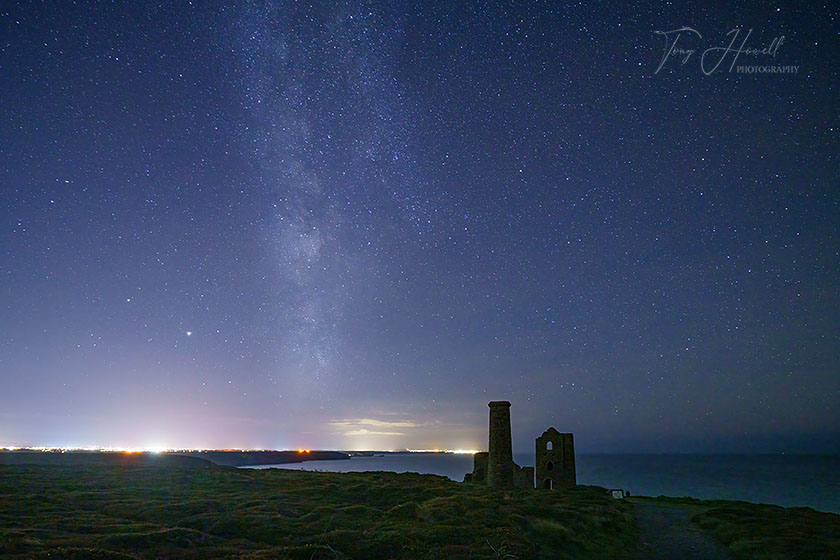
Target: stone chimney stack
(500,459)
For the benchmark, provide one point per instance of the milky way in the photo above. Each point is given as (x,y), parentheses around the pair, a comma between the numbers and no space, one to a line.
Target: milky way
(285,226)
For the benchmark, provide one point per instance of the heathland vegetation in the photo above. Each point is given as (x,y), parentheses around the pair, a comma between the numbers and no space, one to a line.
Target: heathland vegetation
(144,507)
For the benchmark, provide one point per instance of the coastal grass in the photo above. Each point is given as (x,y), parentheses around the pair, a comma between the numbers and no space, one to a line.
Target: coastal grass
(768,532)
(144,512)
(763,531)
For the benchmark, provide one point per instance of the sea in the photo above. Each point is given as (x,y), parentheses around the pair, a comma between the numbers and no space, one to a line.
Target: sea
(786,480)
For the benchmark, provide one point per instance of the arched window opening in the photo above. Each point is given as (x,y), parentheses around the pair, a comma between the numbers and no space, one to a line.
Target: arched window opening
(549,466)
(549,446)
(547,484)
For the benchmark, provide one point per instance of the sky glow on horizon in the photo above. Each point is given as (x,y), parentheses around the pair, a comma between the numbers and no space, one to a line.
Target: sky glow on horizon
(276,226)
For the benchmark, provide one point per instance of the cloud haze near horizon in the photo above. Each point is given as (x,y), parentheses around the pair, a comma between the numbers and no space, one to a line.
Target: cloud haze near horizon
(351,227)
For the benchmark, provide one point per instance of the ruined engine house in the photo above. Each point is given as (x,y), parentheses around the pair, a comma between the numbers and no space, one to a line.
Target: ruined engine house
(555,457)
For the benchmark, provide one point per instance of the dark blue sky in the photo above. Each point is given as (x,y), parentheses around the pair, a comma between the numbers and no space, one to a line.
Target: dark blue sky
(291,225)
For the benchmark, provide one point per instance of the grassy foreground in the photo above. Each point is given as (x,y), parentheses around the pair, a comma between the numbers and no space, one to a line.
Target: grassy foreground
(141,511)
(764,531)
(767,532)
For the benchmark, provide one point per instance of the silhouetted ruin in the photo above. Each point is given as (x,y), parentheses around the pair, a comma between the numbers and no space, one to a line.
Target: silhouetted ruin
(555,460)
(555,457)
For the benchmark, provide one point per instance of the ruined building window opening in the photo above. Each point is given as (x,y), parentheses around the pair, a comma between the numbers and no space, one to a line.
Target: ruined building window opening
(547,484)
(549,466)
(549,445)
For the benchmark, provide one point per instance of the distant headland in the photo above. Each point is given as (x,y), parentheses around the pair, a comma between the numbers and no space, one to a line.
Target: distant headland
(225,458)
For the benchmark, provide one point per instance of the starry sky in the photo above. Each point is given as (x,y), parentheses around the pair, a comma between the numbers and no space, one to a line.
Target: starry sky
(351,225)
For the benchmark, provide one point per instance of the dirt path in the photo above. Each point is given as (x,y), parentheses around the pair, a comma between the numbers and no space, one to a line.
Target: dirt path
(667,533)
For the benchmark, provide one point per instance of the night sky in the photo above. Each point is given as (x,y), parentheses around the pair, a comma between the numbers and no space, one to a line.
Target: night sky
(274,225)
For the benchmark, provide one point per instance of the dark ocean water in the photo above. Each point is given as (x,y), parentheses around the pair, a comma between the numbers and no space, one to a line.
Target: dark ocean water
(787,480)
